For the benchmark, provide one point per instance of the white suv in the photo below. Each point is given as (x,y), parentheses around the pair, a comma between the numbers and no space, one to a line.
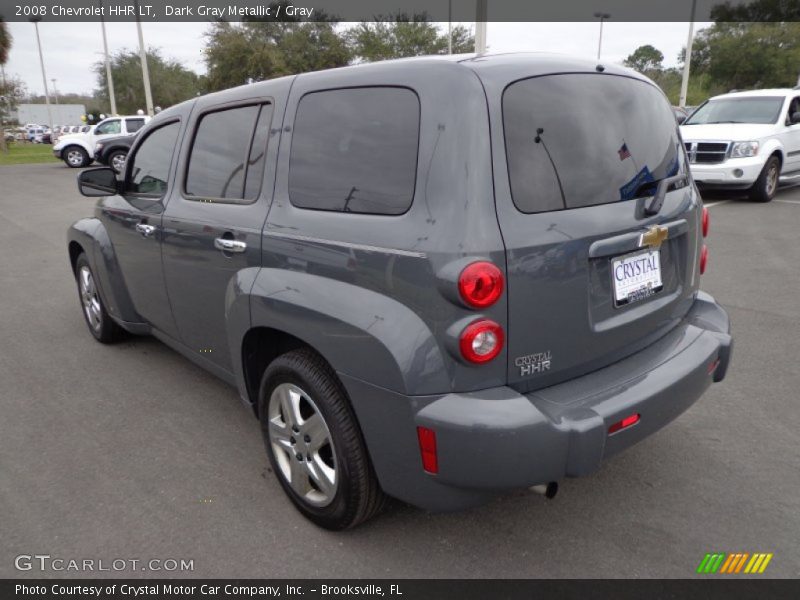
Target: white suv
(77,149)
(745,140)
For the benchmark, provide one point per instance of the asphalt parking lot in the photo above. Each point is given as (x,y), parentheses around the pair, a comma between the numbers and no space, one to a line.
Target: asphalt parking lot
(130,451)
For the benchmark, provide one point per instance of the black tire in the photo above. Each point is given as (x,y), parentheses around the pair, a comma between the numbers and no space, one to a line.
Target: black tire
(766,185)
(75,157)
(100,325)
(115,156)
(357,495)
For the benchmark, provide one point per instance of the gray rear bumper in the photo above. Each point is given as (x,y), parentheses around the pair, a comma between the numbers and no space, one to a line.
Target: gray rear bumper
(498,439)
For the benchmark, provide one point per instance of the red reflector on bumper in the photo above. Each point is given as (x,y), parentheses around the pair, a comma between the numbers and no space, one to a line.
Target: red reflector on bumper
(427,447)
(626,422)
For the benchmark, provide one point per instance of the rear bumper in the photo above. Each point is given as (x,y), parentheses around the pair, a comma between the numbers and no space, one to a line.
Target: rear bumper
(498,439)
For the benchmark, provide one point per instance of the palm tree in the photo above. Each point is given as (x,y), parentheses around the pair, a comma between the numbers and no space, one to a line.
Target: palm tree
(5,48)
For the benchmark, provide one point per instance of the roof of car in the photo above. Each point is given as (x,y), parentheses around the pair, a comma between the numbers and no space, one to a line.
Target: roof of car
(750,93)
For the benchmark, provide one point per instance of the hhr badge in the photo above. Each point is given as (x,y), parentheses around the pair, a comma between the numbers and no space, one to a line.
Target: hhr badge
(533,363)
(653,237)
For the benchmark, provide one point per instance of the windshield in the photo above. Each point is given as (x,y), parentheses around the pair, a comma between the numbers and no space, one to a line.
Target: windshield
(579,140)
(761,109)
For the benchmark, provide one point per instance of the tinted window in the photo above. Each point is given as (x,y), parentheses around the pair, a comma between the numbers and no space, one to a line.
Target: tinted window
(227,159)
(355,150)
(108,127)
(149,169)
(134,124)
(585,139)
(763,109)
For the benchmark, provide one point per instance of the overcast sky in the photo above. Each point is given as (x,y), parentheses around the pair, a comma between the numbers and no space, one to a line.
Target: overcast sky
(70,49)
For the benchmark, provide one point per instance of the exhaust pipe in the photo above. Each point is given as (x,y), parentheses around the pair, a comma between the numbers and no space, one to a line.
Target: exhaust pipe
(548,490)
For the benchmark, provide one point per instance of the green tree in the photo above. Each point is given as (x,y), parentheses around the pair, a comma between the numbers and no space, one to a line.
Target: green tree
(405,35)
(170,81)
(645,59)
(5,90)
(258,50)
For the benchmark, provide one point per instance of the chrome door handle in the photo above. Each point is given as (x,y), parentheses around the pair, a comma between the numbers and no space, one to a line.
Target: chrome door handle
(145,229)
(227,245)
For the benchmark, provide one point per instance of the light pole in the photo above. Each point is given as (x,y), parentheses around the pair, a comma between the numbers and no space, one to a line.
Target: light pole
(55,90)
(148,96)
(109,78)
(449,26)
(687,59)
(481,11)
(602,16)
(35,22)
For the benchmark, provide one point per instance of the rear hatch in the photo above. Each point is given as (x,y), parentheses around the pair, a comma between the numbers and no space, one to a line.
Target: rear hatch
(596,271)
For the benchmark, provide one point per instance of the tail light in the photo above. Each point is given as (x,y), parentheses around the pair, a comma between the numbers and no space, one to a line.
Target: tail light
(481,341)
(703,258)
(427,447)
(480,284)
(705,221)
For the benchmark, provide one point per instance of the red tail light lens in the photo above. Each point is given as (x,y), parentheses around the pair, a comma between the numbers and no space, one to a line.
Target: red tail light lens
(481,341)
(626,422)
(706,221)
(480,284)
(427,447)
(703,259)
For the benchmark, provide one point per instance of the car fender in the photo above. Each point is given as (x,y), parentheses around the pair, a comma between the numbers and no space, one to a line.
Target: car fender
(362,334)
(80,139)
(92,237)
(770,146)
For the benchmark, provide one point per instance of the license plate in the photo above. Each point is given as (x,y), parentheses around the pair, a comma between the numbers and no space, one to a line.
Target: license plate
(636,276)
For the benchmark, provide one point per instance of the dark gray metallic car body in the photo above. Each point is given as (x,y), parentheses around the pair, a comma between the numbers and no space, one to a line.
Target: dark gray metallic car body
(375,295)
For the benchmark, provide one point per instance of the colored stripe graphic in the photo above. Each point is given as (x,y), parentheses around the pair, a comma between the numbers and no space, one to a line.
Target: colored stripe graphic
(734,562)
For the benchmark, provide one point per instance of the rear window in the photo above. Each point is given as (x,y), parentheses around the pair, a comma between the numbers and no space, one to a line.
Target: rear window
(355,150)
(580,140)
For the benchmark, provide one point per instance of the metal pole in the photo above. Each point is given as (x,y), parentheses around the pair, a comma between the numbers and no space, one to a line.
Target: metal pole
(148,96)
(602,16)
(55,90)
(109,78)
(44,75)
(449,26)
(687,59)
(481,12)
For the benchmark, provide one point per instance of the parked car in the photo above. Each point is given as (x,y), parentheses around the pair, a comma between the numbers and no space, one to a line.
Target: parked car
(78,150)
(112,151)
(680,114)
(745,140)
(420,299)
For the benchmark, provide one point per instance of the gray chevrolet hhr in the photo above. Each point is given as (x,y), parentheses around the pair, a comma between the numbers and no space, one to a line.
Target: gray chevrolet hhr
(434,279)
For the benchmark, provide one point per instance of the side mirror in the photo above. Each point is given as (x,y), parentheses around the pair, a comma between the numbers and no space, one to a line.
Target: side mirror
(680,119)
(101,181)
(794,119)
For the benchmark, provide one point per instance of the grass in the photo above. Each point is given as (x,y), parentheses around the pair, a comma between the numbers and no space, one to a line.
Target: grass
(22,153)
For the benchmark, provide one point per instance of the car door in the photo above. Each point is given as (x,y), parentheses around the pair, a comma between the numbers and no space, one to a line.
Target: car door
(133,221)
(791,138)
(213,221)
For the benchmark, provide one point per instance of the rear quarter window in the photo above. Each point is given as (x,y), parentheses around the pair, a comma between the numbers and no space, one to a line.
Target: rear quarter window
(355,150)
(579,140)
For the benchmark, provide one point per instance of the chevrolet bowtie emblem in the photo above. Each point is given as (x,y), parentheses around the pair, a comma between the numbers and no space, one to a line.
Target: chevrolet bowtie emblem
(653,237)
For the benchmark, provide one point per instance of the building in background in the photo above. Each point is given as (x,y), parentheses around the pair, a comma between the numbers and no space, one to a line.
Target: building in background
(63,114)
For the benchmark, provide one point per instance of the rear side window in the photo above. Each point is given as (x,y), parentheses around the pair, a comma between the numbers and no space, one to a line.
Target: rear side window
(133,125)
(226,163)
(149,169)
(355,150)
(580,140)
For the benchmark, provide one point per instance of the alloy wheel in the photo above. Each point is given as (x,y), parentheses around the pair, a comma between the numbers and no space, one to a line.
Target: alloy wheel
(89,299)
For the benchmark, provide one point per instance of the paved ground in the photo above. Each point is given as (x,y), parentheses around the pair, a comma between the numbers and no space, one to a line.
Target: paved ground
(130,451)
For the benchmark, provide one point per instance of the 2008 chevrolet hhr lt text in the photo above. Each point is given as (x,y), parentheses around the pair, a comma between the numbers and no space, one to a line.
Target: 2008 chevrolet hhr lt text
(433,279)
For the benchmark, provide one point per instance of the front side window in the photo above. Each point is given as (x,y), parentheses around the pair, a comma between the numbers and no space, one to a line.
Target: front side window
(355,150)
(149,166)
(744,109)
(227,157)
(579,140)
(108,127)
